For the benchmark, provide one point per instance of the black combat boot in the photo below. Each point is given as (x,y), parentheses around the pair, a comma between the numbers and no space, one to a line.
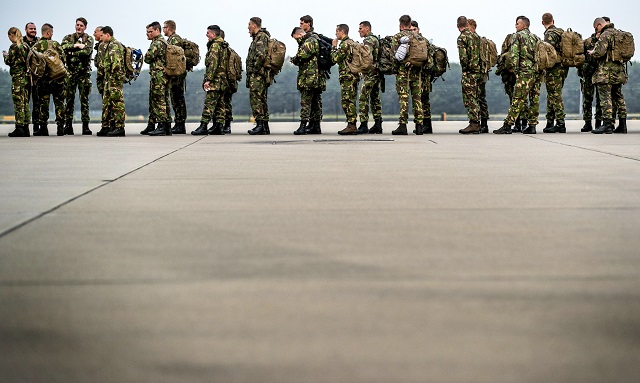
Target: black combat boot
(60,129)
(363,128)
(524,123)
(560,127)
(401,130)
(116,132)
(163,129)
(103,131)
(587,126)
(484,125)
(258,130)
(606,128)
(426,126)
(418,130)
(36,127)
(227,127)
(18,132)
(267,130)
(598,124)
(150,128)
(622,126)
(200,130)
(43,131)
(314,127)
(216,129)
(179,128)
(549,128)
(68,129)
(376,128)
(531,129)
(517,127)
(302,129)
(85,129)
(505,129)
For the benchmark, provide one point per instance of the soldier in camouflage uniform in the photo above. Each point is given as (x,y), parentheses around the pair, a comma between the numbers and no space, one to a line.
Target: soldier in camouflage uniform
(16,59)
(482,100)
(426,79)
(341,54)
(177,84)
(258,77)
(30,39)
(586,72)
(371,82)
(78,48)
(310,82)
(472,74)
(215,83)
(408,81)
(227,99)
(113,67)
(46,86)
(522,59)
(554,79)
(609,78)
(158,84)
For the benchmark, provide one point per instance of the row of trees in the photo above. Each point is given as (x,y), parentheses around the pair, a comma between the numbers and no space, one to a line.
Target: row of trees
(284,99)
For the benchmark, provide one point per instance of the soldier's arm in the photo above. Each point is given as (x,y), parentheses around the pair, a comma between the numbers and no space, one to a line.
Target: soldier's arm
(262,47)
(67,44)
(88,48)
(600,49)
(462,52)
(152,53)
(515,52)
(308,49)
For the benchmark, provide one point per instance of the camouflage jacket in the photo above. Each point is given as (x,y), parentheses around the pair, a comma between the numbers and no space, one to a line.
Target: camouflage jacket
(112,63)
(553,36)
(309,76)
(258,51)
(29,43)
(469,52)
(403,70)
(608,72)
(522,52)
(217,64)
(373,43)
(156,56)
(590,63)
(78,60)
(43,44)
(175,39)
(341,54)
(16,59)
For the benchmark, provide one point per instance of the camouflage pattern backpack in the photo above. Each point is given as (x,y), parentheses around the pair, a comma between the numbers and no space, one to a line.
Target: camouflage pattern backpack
(276,52)
(440,61)
(622,46)
(386,61)
(191,53)
(488,54)
(361,59)
(234,71)
(176,61)
(572,49)
(36,64)
(545,55)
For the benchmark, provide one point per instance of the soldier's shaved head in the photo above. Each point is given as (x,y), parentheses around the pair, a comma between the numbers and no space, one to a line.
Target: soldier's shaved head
(405,21)
(599,21)
(525,21)
(257,21)
(462,22)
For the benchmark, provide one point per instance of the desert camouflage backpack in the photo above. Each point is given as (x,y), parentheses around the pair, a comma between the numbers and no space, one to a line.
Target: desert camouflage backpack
(176,62)
(36,64)
(545,55)
(276,52)
(55,65)
(234,72)
(622,46)
(572,49)
(488,54)
(362,58)
(418,51)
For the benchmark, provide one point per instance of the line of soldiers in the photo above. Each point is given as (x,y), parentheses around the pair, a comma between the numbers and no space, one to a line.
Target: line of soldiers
(522,84)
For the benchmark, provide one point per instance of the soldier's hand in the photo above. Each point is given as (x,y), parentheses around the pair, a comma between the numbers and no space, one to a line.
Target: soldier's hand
(79,45)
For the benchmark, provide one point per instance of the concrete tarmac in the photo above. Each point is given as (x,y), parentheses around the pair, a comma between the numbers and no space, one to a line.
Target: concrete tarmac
(281,258)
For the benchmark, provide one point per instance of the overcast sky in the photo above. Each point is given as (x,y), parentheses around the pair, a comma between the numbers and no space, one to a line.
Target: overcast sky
(437,22)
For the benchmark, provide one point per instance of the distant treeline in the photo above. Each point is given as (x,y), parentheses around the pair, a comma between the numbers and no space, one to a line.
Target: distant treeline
(284,99)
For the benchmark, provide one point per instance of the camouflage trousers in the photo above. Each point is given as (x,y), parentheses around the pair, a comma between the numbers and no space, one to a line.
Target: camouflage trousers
(113,113)
(81,82)
(228,98)
(213,109)
(258,88)
(311,104)
(370,95)
(158,97)
(348,96)
(611,99)
(509,82)
(177,87)
(408,81)
(471,94)
(589,90)
(484,108)
(20,95)
(526,87)
(427,86)
(44,89)
(554,82)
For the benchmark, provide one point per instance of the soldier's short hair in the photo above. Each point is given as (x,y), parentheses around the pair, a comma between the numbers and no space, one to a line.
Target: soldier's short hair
(599,20)
(344,28)
(607,19)
(27,24)
(222,33)
(547,18)
(155,25)
(472,23)
(405,20)
(296,30)
(525,20)
(215,29)
(46,27)
(414,24)
(107,30)
(366,24)
(462,22)
(82,20)
(257,21)
(171,25)
(307,20)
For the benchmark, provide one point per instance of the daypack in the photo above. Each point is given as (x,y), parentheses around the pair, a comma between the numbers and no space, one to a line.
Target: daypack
(386,60)
(234,70)
(545,55)
(572,49)
(324,56)
(133,59)
(55,65)
(488,54)
(276,51)
(191,53)
(440,61)
(622,46)
(504,61)
(176,62)
(418,50)
(36,64)
(362,58)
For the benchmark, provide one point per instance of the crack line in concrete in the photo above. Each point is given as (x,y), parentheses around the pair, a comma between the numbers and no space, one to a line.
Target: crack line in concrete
(583,148)
(106,182)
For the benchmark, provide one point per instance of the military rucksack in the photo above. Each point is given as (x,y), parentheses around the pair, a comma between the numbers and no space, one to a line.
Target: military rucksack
(276,51)
(133,59)
(545,55)
(418,50)
(440,61)
(324,56)
(55,66)
(622,46)
(36,64)
(386,61)
(176,62)
(488,54)
(361,59)
(572,49)
(234,70)
(191,53)
(504,61)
